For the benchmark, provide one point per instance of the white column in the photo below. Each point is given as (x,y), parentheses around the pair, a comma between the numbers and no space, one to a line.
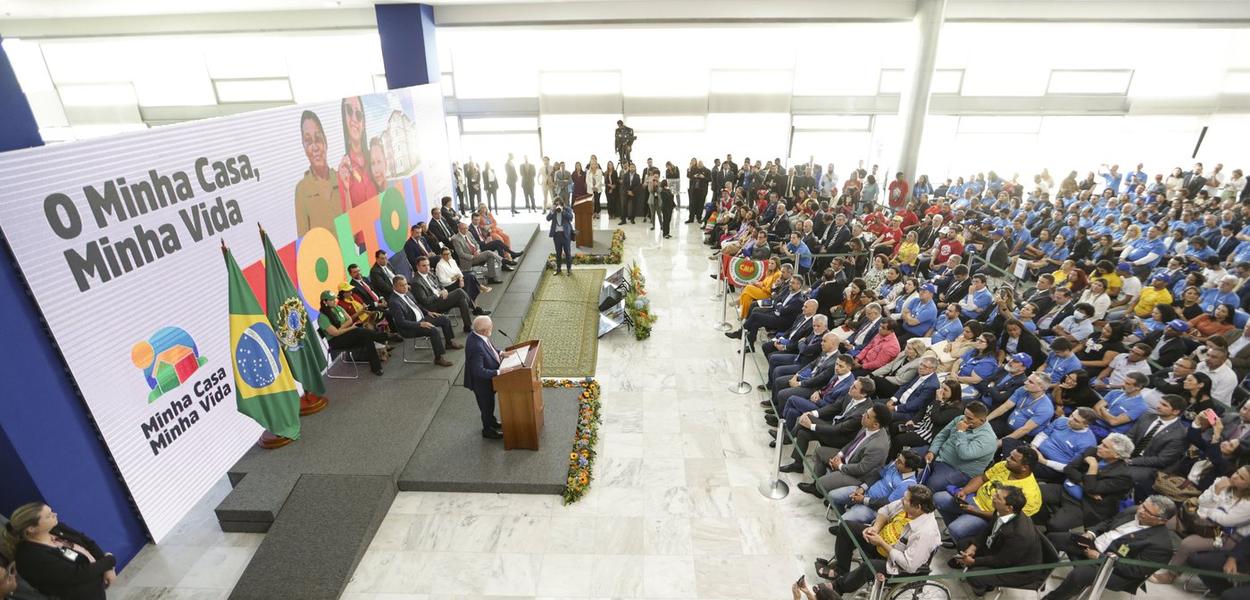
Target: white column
(914,101)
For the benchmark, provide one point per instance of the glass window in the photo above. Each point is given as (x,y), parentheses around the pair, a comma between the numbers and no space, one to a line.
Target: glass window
(580,83)
(833,122)
(754,81)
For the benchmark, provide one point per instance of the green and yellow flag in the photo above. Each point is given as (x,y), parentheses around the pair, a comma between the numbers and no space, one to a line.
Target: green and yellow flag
(263,384)
(298,338)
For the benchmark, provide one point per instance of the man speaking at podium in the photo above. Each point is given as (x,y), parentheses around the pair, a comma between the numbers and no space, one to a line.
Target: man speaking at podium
(482,365)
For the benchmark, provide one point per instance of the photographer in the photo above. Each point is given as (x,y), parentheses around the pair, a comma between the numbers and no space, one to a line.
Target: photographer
(561,232)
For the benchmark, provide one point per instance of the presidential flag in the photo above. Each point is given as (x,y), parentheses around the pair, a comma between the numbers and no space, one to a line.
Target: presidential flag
(264,388)
(299,340)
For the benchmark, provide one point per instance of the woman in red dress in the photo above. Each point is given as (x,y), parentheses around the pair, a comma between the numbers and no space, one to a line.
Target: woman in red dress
(356,182)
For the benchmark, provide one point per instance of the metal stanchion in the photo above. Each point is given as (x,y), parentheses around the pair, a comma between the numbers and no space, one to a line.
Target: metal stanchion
(1104,575)
(720,281)
(724,324)
(742,386)
(775,487)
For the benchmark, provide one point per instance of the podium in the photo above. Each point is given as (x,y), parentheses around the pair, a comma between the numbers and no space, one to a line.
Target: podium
(584,221)
(520,392)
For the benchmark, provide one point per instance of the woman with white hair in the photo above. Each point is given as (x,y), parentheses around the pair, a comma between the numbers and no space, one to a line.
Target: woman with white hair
(1094,484)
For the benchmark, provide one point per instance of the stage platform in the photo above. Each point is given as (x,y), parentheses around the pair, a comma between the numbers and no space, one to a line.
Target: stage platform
(323,496)
(453,456)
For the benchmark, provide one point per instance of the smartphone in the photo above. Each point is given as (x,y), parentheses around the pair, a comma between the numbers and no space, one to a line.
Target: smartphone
(1210,416)
(802,582)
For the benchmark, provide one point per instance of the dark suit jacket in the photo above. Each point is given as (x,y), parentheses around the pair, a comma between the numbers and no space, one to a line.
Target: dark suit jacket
(827,421)
(441,232)
(956,290)
(1193,183)
(922,397)
(566,224)
(1165,448)
(1153,544)
(480,365)
(382,285)
(801,328)
(790,309)
(414,249)
(360,288)
(999,257)
(427,293)
(1028,344)
(1111,484)
(1016,543)
(1240,362)
(51,573)
(1172,349)
(401,317)
(994,393)
(821,375)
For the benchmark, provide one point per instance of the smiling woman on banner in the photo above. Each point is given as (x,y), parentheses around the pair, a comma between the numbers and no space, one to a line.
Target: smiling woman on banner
(317,200)
(356,185)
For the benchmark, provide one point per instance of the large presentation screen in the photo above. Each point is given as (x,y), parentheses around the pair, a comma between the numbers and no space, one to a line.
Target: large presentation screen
(120,240)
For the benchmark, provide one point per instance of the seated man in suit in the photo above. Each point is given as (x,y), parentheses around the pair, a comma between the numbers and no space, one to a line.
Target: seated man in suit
(808,379)
(867,453)
(788,340)
(1011,540)
(360,286)
(861,334)
(912,397)
(470,255)
(439,229)
(805,350)
(779,316)
(434,297)
(1138,533)
(1094,484)
(833,425)
(419,245)
(482,362)
(1158,442)
(409,321)
(381,274)
(969,511)
(795,405)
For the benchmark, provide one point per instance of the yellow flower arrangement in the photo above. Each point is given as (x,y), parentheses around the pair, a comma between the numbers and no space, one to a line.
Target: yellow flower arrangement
(637,305)
(613,257)
(582,457)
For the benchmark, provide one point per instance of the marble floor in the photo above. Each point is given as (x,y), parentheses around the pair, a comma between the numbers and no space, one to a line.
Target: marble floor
(673,512)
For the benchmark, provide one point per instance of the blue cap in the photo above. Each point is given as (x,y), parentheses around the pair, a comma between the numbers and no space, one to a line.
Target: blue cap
(997,232)
(1178,325)
(1160,277)
(929,287)
(1124,267)
(1023,359)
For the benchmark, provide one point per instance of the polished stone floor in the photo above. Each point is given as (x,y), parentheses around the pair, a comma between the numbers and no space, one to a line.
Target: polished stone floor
(673,511)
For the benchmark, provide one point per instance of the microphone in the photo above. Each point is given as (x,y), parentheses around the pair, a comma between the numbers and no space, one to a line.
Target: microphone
(505,334)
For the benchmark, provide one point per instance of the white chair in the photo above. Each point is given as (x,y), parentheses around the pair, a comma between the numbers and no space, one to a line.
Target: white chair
(417,349)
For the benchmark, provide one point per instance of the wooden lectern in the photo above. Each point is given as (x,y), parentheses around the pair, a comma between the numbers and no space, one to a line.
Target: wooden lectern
(584,221)
(520,392)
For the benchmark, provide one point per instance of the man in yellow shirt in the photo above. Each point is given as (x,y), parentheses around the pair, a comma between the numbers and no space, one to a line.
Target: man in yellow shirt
(970,510)
(1157,293)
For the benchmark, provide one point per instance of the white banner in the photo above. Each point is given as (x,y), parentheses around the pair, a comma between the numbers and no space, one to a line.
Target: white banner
(119,238)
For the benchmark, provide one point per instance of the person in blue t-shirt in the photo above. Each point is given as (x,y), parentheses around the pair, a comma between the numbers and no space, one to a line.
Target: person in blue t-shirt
(859,503)
(800,252)
(947,327)
(1118,409)
(979,362)
(1026,411)
(1061,442)
(1061,361)
(919,313)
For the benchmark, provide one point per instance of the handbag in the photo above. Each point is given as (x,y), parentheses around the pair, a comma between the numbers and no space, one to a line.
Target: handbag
(1176,487)
(1190,523)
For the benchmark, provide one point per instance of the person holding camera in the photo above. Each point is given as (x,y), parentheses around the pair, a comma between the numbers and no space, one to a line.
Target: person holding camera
(561,233)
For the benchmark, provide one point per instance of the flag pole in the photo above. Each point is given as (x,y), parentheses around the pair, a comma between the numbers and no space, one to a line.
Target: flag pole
(309,403)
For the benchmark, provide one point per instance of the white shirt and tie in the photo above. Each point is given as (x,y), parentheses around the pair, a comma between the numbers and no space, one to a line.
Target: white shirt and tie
(412,305)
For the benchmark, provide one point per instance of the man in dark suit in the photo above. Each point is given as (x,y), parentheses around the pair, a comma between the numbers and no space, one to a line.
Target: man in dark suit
(1158,443)
(528,173)
(373,299)
(409,321)
(439,228)
(779,316)
(510,178)
(808,348)
(481,236)
(796,404)
(482,362)
(1138,533)
(1011,540)
(1104,481)
(561,234)
(631,189)
(419,245)
(1169,344)
(1193,181)
(911,398)
(788,340)
(833,425)
(381,274)
(867,452)
(433,297)
(997,252)
(1239,357)
(812,376)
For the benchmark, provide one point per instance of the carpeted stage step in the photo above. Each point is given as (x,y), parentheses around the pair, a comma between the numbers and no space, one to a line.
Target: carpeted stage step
(314,545)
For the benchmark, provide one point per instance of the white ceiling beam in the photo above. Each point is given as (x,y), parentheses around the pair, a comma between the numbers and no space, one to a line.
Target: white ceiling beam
(252,22)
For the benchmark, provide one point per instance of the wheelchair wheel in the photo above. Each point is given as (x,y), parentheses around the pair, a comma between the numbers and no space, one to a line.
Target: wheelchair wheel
(920,590)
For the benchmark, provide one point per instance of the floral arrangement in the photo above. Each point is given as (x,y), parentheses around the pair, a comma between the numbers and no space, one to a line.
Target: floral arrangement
(582,457)
(637,304)
(613,256)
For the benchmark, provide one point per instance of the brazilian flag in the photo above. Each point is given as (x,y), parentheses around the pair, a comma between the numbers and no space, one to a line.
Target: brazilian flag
(297,336)
(264,387)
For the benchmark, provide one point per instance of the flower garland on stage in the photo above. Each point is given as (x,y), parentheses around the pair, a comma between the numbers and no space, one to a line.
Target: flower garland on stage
(613,257)
(582,457)
(637,304)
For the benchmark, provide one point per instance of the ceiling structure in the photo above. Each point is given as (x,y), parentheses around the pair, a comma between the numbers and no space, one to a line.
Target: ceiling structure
(70,18)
